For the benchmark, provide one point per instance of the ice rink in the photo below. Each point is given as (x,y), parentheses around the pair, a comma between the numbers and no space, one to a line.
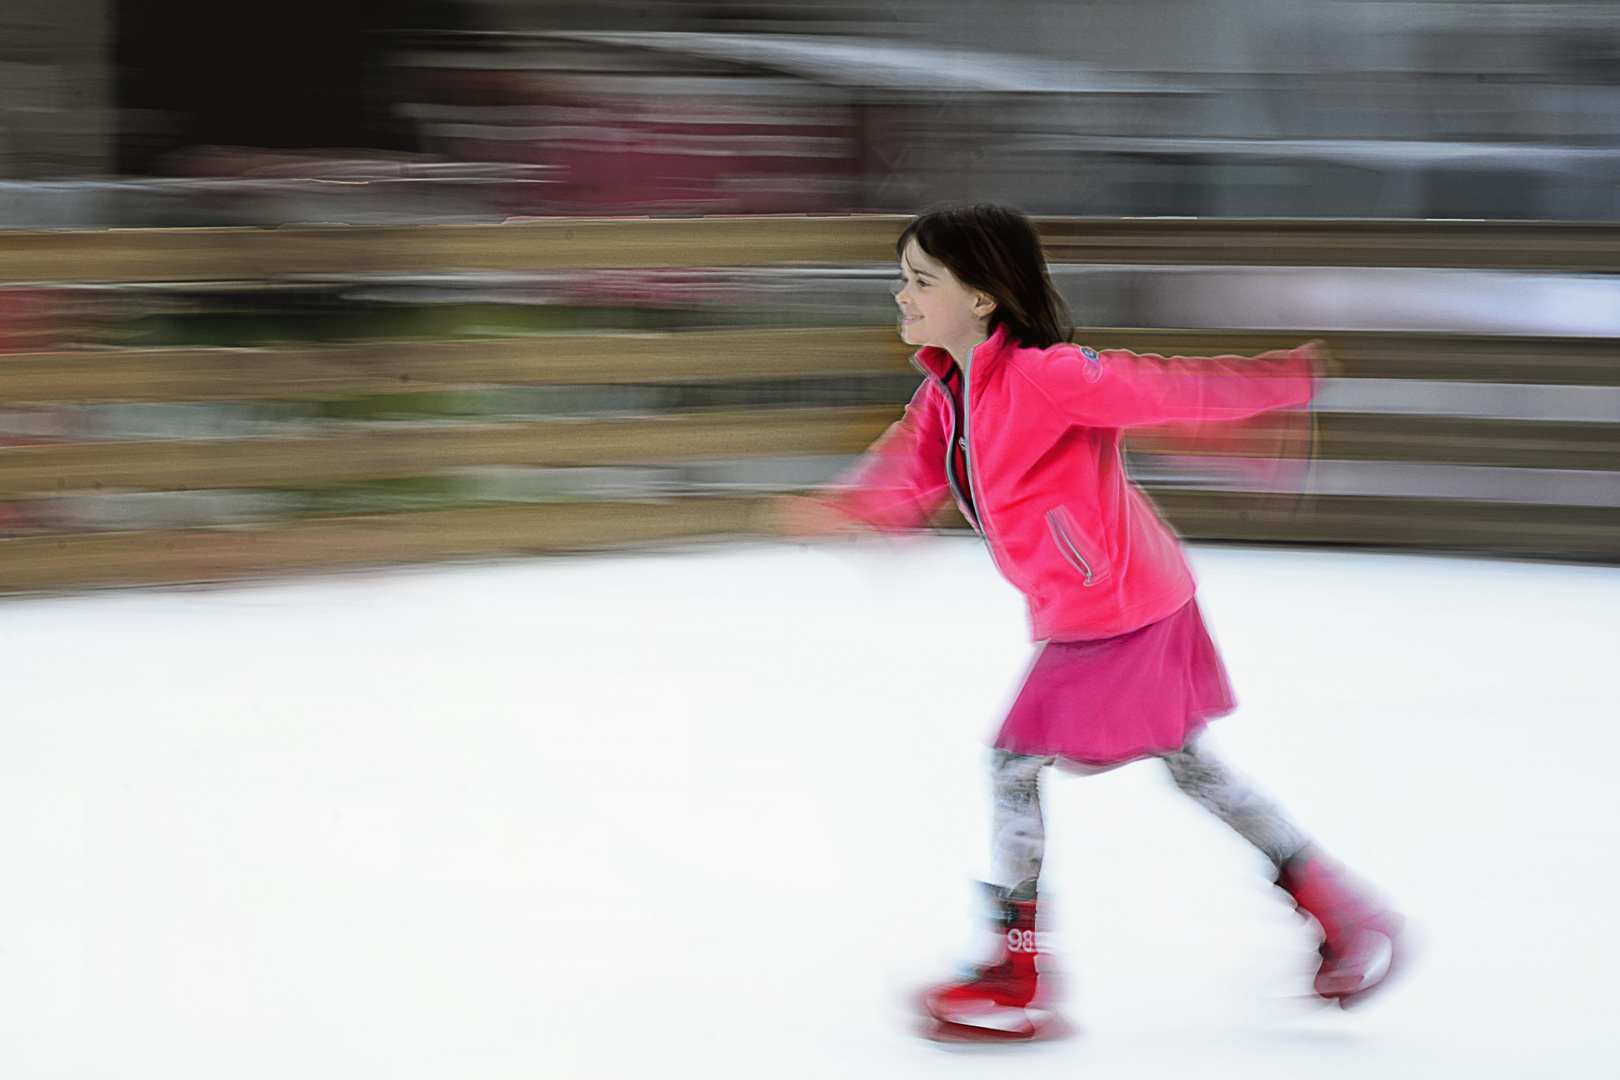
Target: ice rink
(717,812)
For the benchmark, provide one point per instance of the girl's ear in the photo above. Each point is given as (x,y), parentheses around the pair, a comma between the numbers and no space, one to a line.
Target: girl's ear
(983,305)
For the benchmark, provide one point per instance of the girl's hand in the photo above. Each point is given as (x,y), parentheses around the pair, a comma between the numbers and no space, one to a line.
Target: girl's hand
(1323,366)
(792,515)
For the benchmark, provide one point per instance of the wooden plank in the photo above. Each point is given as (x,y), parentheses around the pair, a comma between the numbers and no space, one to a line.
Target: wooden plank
(1367,354)
(292,251)
(192,555)
(1460,525)
(195,464)
(1588,247)
(398,366)
(1528,444)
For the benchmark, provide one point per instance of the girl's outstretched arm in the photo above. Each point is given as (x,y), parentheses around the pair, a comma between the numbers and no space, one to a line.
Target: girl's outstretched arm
(1116,388)
(900,481)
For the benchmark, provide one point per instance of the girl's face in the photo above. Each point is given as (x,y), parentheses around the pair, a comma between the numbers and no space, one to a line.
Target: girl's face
(936,309)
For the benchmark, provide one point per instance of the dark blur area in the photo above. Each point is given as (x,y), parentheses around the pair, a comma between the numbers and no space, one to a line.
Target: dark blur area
(486,108)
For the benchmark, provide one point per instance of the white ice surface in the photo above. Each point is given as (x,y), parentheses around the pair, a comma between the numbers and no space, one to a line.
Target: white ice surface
(716,813)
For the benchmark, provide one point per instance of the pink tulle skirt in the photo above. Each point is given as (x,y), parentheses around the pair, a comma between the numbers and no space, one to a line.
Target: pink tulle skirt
(1103,703)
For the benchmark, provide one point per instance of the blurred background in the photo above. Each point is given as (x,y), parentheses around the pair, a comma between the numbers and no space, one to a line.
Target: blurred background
(1358,108)
(1482,418)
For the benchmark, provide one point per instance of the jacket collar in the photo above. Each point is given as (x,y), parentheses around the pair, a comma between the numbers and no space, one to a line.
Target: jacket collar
(937,362)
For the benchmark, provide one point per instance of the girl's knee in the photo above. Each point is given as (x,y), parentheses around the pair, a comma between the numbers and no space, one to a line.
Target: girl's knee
(1191,773)
(1010,768)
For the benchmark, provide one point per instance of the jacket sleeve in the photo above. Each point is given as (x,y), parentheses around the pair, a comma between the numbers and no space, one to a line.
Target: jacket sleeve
(900,481)
(1119,389)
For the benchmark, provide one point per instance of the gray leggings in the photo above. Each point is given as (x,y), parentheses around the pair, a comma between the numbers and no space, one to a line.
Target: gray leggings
(1020,836)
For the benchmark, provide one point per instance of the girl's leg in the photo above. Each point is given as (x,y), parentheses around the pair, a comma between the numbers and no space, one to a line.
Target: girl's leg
(1019,842)
(1001,999)
(1360,934)
(1229,796)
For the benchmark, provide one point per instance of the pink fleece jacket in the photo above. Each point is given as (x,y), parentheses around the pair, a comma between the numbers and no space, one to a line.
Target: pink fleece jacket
(1049,492)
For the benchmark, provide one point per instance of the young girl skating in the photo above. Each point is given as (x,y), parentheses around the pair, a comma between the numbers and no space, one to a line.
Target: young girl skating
(1023,429)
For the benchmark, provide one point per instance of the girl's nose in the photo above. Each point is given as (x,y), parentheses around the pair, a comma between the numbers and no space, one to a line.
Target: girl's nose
(897,286)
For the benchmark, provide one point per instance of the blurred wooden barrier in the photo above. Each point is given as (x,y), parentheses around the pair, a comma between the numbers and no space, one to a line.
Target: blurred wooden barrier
(1546,449)
(52,470)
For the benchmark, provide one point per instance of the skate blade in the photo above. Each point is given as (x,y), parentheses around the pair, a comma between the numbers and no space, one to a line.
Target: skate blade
(1052,1027)
(1016,1020)
(1388,969)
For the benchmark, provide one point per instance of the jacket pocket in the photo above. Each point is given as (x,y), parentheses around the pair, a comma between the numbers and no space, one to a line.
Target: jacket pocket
(1070,542)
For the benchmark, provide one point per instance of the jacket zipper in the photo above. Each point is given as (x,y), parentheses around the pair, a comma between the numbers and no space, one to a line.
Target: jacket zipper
(967,441)
(983,522)
(1066,544)
(969,507)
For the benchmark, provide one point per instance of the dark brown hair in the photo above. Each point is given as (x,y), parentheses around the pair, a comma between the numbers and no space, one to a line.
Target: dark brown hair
(996,250)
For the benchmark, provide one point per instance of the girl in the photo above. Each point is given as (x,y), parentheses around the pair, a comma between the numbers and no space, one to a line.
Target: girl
(1023,429)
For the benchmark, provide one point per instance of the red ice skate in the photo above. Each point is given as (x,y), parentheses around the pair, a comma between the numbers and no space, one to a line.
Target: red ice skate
(1360,937)
(1000,1000)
